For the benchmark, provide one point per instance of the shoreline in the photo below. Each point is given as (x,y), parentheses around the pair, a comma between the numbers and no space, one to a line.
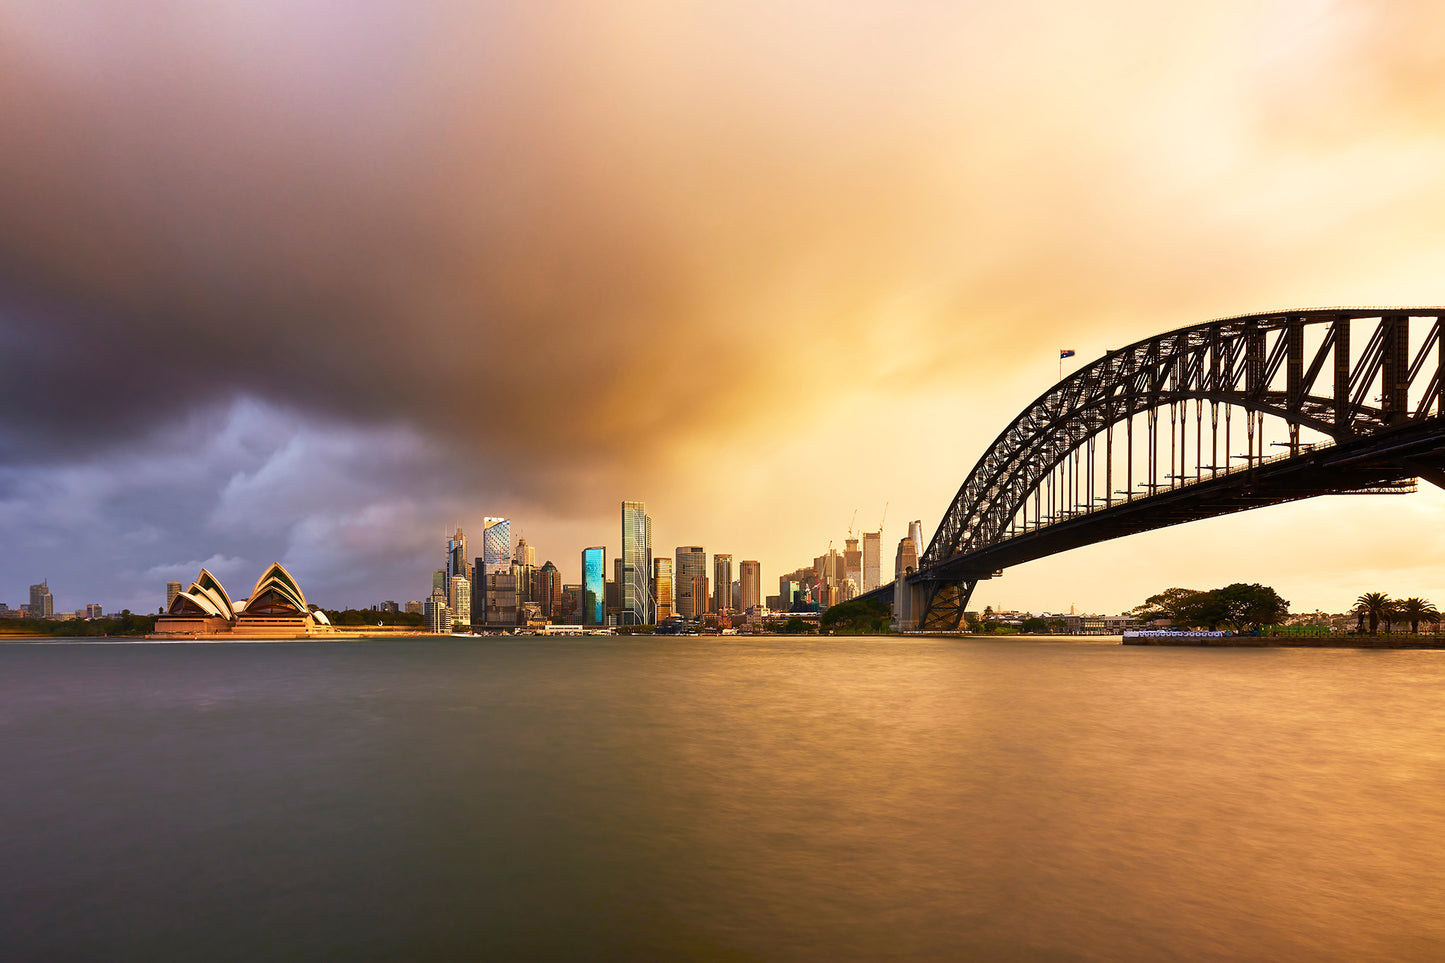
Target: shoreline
(1297,642)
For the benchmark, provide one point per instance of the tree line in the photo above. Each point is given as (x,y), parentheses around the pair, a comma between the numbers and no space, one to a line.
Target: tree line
(1240,607)
(127,623)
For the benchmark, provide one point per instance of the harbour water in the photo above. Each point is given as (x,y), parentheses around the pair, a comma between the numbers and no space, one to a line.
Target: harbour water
(720,799)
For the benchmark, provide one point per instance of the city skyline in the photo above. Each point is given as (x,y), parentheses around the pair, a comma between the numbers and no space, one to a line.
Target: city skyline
(290,301)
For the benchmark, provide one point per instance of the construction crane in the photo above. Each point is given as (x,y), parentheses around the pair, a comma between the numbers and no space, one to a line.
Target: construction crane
(850,524)
(883,519)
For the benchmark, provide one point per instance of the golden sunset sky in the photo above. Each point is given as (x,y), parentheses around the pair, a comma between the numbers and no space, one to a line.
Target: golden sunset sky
(313,281)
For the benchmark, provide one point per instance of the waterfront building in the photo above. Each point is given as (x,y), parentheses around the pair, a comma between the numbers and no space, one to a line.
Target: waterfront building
(547,591)
(172,590)
(662,587)
(438,615)
(499,598)
(907,560)
(571,613)
(42,603)
(276,608)
(93,610)
(594,585)
(461,594)
(852,562)
(390,606)
(750,584)
(872,551)
(413,607)
(690,562)
(439,581)
(635,576)
(699,596)
(722,580)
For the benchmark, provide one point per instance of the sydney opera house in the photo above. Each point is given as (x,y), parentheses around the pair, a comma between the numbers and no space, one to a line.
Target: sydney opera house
(275,609)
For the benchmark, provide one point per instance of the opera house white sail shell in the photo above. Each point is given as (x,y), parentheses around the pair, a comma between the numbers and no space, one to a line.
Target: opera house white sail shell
(275,609)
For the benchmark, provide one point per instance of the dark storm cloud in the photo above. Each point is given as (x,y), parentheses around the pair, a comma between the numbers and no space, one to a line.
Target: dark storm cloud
(340,219)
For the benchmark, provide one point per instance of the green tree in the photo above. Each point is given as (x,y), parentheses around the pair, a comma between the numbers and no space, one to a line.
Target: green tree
(857,617)
(1178,605)
(1245,607)
(1375,606)
(794,626)
(1034,626)
(1416,610)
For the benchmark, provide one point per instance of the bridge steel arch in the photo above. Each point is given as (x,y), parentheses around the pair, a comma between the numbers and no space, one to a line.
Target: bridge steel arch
(1336,383)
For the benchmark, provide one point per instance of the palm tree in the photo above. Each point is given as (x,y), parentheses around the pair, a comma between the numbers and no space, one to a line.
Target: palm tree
(1416,610)
(1375,606)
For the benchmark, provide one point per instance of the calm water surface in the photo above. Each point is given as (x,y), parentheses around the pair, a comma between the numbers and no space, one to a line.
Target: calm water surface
(719,800)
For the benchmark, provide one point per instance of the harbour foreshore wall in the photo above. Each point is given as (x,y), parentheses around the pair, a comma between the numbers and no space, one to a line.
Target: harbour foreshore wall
(1297,641)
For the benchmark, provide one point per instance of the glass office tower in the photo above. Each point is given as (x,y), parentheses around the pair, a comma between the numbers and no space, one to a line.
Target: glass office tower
(496,543)
(636,577)
(691,561)
(594,585)
(662,587)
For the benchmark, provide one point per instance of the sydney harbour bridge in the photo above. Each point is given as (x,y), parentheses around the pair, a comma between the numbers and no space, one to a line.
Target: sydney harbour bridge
(1206,420)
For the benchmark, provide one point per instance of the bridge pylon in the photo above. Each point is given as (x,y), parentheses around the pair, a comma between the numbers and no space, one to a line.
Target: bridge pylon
(931,604)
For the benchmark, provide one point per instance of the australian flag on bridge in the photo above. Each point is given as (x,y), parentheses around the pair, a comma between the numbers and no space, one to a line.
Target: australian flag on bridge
(1065,353)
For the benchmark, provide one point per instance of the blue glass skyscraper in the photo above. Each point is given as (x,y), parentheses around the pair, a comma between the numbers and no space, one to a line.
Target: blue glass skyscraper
(594,585)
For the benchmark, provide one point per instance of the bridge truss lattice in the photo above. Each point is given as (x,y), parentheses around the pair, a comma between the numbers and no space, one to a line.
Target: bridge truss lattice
(1217,417)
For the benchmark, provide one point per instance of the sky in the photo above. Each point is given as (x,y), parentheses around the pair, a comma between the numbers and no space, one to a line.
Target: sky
(315,282)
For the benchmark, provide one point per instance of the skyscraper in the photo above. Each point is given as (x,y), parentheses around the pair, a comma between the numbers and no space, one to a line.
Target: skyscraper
(750,578)
(525,562)
(852,562)
(456,564)
(496,555)
(722,582)
(636,576)
(699,596)
(594,585)
(691,561)
(872,562)
(547,591)
(662,587)
(438,616)
(496,542)
(42,603)
(172,590)
(525,554)
(461,604)
(915,531)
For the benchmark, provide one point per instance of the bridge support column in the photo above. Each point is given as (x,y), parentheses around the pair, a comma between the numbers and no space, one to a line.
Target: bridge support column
(939,606)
